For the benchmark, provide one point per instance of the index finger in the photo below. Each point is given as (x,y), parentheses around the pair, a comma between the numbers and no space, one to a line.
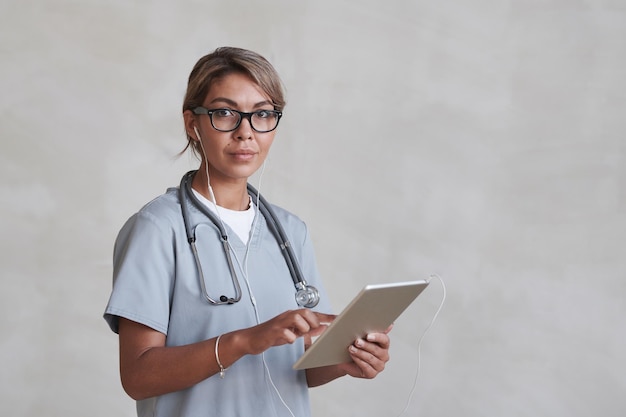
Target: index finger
(324,318)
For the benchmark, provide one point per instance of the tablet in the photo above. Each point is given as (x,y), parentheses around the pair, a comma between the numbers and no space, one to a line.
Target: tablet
(373,310)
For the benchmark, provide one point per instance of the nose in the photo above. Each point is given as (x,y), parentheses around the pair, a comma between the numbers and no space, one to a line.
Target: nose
(244,130)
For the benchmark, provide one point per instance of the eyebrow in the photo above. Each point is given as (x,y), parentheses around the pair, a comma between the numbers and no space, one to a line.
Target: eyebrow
(234,104)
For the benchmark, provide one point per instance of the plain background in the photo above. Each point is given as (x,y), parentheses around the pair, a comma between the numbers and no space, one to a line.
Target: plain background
(482,140)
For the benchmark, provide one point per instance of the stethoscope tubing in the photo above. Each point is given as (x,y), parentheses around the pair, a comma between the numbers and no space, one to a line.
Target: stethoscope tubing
(281,237)
(186,195)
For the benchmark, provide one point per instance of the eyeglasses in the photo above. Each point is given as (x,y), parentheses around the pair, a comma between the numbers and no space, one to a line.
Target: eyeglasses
(227,120)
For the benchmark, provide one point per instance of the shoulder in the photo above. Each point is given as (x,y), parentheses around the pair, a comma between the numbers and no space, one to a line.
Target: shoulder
(293,225)
(286,217)
(165,205)
(162,208)
(162,212)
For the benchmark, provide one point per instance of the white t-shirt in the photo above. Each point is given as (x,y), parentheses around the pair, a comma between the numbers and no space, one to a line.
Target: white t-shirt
(238,220)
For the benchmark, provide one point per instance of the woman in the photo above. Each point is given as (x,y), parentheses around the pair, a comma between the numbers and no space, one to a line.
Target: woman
(216,334)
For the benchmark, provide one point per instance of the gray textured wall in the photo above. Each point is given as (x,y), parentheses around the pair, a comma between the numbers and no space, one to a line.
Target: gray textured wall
(479,139)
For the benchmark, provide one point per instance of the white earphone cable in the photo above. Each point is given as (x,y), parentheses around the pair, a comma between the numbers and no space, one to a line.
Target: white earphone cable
(243,267)
(245,274)
(419,344)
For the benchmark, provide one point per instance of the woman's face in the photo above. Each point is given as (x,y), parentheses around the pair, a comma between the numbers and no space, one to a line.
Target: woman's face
(232,156)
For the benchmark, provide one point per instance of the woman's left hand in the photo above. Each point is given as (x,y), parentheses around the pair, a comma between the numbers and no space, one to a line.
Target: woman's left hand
(369,354)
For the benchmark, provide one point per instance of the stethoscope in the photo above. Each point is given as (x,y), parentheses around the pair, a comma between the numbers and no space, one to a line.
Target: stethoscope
(306,295)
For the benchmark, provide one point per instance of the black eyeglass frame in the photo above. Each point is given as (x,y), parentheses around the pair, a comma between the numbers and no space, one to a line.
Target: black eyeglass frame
(209,112)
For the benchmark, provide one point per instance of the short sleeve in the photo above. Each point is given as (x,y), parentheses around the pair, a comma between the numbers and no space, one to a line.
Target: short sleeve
(143,273)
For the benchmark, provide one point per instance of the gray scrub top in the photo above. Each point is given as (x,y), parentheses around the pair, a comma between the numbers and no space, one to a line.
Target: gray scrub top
(156,283)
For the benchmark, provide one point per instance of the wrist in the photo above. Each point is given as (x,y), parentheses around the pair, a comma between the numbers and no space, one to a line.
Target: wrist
(221,366)
(230,348)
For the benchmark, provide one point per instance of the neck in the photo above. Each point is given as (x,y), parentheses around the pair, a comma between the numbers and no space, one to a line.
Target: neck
(230,195)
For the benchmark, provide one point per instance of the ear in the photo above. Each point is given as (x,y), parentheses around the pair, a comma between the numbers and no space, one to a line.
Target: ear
(190,122)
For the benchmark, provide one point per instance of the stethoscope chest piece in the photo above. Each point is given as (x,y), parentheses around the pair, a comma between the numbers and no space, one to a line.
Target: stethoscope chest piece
(307,295)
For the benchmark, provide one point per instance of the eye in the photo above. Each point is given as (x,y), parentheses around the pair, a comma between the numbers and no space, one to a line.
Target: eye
(264,114)
(223,113)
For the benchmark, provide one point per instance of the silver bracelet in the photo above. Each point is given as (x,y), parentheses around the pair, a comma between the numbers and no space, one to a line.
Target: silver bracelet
(217,358)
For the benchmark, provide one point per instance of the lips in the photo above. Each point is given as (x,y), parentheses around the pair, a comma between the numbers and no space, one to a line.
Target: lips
(243,154)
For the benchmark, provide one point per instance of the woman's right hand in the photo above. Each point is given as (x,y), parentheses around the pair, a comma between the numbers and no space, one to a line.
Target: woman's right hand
(286,328)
